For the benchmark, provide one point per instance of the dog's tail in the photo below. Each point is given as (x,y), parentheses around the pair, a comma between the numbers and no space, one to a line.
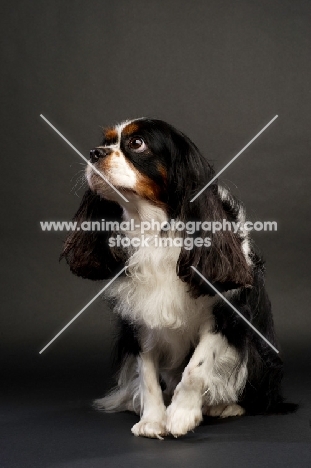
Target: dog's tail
(126,396)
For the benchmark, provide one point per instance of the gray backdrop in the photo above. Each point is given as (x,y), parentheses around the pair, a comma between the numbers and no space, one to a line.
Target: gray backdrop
(217,70)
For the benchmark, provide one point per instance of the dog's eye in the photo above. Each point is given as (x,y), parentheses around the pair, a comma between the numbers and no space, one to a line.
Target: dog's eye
(137,144)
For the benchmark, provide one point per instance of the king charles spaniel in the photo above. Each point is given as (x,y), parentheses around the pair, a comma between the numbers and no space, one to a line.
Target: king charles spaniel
(182,351)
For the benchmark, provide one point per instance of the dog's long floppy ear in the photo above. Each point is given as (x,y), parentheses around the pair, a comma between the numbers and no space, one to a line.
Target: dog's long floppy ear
(87,251)
(222,263)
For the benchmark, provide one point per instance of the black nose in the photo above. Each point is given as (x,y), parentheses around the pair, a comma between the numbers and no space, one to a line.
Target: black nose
(97,153)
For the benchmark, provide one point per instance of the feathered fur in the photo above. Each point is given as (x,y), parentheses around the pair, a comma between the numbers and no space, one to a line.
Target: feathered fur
(182,352)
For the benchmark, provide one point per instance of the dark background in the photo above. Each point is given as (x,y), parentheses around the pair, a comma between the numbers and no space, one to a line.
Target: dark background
(217,70)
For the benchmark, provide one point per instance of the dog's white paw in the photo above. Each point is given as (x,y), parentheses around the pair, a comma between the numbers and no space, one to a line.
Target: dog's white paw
(224,410)
(182,420)
(148,428)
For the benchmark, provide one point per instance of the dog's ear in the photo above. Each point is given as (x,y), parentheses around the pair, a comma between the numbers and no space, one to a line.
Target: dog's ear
(223,262)
(87,251)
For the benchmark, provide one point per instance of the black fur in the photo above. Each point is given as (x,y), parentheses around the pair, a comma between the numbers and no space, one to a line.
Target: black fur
(126,342)
(187,172)
(87,252)
(223,264)
(262,393)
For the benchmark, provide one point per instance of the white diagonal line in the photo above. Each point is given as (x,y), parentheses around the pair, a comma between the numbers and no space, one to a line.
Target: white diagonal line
(82,310)
(235,310)
(233,159)
(84,158)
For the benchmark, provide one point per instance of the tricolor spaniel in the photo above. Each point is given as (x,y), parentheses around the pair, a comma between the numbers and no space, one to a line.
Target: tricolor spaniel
(182,351)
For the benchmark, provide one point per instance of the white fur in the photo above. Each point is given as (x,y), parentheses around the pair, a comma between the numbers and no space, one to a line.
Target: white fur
(243,233)
(152,295)
(121,173)
(153,411)
(223,410)
(212,376)
(171,323)
(120,127)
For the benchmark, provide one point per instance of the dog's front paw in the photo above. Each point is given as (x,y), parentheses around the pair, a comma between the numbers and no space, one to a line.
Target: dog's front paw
(148,428)
(181,420)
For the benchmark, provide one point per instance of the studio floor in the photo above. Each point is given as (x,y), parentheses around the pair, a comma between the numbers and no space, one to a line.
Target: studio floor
(49,422)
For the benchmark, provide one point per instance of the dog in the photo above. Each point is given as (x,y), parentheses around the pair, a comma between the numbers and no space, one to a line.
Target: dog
(182,351)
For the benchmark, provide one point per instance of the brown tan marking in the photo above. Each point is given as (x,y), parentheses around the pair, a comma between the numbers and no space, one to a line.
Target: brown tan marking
(130,128)
(148,189)
(110,134)
(163,172)
(145,187)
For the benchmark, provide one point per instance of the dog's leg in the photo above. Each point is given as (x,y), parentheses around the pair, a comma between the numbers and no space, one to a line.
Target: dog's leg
(215,374)
(153,418)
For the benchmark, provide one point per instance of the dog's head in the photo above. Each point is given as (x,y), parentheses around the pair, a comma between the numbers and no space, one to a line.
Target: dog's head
(149,160)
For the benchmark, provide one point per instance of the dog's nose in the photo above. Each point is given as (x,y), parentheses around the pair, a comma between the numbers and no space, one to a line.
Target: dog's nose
(97,153)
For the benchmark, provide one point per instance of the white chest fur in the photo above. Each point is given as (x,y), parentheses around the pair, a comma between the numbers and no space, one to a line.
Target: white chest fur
(152,294)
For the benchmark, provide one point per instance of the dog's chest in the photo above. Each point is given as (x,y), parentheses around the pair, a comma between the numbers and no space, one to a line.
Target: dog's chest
(152,294)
